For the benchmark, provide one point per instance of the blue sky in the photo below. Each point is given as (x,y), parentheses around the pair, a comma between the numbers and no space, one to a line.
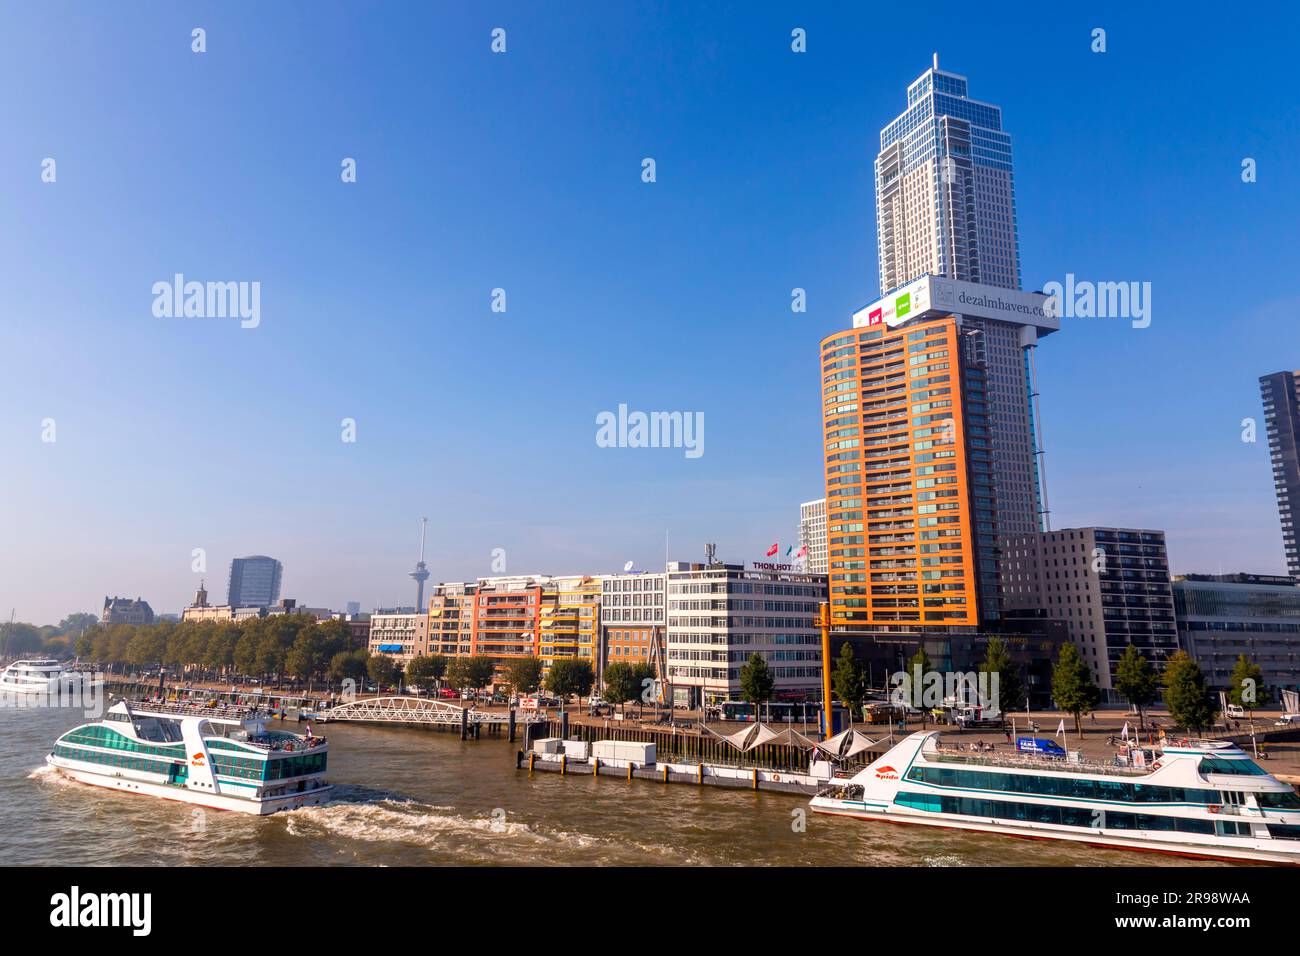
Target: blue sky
(522,171)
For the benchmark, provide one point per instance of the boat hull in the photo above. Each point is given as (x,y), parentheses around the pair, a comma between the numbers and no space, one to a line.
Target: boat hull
(1101,839)
(215,801)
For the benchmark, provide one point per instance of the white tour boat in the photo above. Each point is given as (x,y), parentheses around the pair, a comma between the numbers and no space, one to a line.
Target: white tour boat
(224,758)
(43,678)
(1192,797)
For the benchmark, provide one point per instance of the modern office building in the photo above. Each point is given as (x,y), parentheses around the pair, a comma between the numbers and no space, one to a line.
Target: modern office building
(399,634)
(1223,616)
(254,581)
(1109,585)
(353,607)
(945,194)
(911,507)
(812,535)
(1032,643)
(929,399)
(633,620)
(126,611)
(1281,393)
(720,614)
(945,207)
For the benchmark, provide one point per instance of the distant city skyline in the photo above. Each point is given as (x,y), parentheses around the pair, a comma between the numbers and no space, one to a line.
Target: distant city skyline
(132,439)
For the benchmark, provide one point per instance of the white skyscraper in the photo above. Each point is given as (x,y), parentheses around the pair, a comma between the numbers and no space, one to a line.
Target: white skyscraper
(812,534)
(945,199)
(945,206)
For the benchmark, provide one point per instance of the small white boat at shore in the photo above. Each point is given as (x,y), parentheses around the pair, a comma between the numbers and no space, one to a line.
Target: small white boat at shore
(39,679)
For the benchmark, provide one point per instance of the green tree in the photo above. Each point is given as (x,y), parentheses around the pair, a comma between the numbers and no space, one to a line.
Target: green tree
(1187,696)
(569,677)
(382,669)
(643,679)
(523,674)
(456,675)
(309,656)
(20,639)
(350,665)
(1246,688)
(1137,681)
(620,683)
(84,646)
(74,625)
(1073,688)
(917,668)
(437,666)
(997,660)
(756,681)
(848,680)
(480,670)
(425,671)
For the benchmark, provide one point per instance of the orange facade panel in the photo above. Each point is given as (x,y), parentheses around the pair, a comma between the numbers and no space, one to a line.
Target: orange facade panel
(899,523)
(506,623)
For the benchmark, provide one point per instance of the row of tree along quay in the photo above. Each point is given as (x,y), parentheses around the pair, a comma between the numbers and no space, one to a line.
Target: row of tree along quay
(304,653)
(1181,685)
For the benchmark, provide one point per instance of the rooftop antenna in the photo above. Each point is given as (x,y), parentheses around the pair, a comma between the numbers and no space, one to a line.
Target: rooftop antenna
(421,573)
(936,59)
(711,554)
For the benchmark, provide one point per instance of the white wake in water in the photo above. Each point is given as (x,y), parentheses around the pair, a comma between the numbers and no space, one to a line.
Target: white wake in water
(444,832)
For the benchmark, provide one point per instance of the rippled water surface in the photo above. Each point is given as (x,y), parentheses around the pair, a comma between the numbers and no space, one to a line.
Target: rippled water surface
(406,797)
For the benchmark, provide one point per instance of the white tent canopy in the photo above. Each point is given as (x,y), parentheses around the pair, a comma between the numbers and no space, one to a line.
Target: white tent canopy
(749,738)
(845,744)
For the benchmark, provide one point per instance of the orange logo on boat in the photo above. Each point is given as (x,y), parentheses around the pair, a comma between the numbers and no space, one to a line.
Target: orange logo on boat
(197,760)
(886,773)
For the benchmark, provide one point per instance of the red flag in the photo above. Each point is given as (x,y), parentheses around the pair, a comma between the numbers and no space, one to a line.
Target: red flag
(772,550)
(802,551)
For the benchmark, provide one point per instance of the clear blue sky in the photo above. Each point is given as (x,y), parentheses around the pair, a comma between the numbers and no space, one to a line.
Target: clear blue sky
(522,171)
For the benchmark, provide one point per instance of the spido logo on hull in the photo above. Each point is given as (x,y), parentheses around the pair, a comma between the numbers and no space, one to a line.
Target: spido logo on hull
(102,910)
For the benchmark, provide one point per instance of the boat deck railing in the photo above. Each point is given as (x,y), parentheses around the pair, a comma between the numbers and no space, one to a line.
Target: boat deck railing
(191,710)
(1014,761)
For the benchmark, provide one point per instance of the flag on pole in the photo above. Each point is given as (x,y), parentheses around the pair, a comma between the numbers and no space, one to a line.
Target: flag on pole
(789,551)
(803,552)
(1124,735)
(1060,730)
(772,550)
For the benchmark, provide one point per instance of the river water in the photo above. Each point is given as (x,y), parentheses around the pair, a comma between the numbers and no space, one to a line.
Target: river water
(409,797)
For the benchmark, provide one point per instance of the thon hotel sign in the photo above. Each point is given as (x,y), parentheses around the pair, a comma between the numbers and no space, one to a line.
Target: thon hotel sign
(771,566)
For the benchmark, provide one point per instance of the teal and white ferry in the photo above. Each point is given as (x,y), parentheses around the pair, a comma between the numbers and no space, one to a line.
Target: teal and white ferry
(1199,798)
(222,758)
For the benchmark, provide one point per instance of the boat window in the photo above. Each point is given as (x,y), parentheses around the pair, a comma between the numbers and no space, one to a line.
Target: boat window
(1279,832)
(1054,814)
(1117,791)
(1287,800)
(1240,767)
